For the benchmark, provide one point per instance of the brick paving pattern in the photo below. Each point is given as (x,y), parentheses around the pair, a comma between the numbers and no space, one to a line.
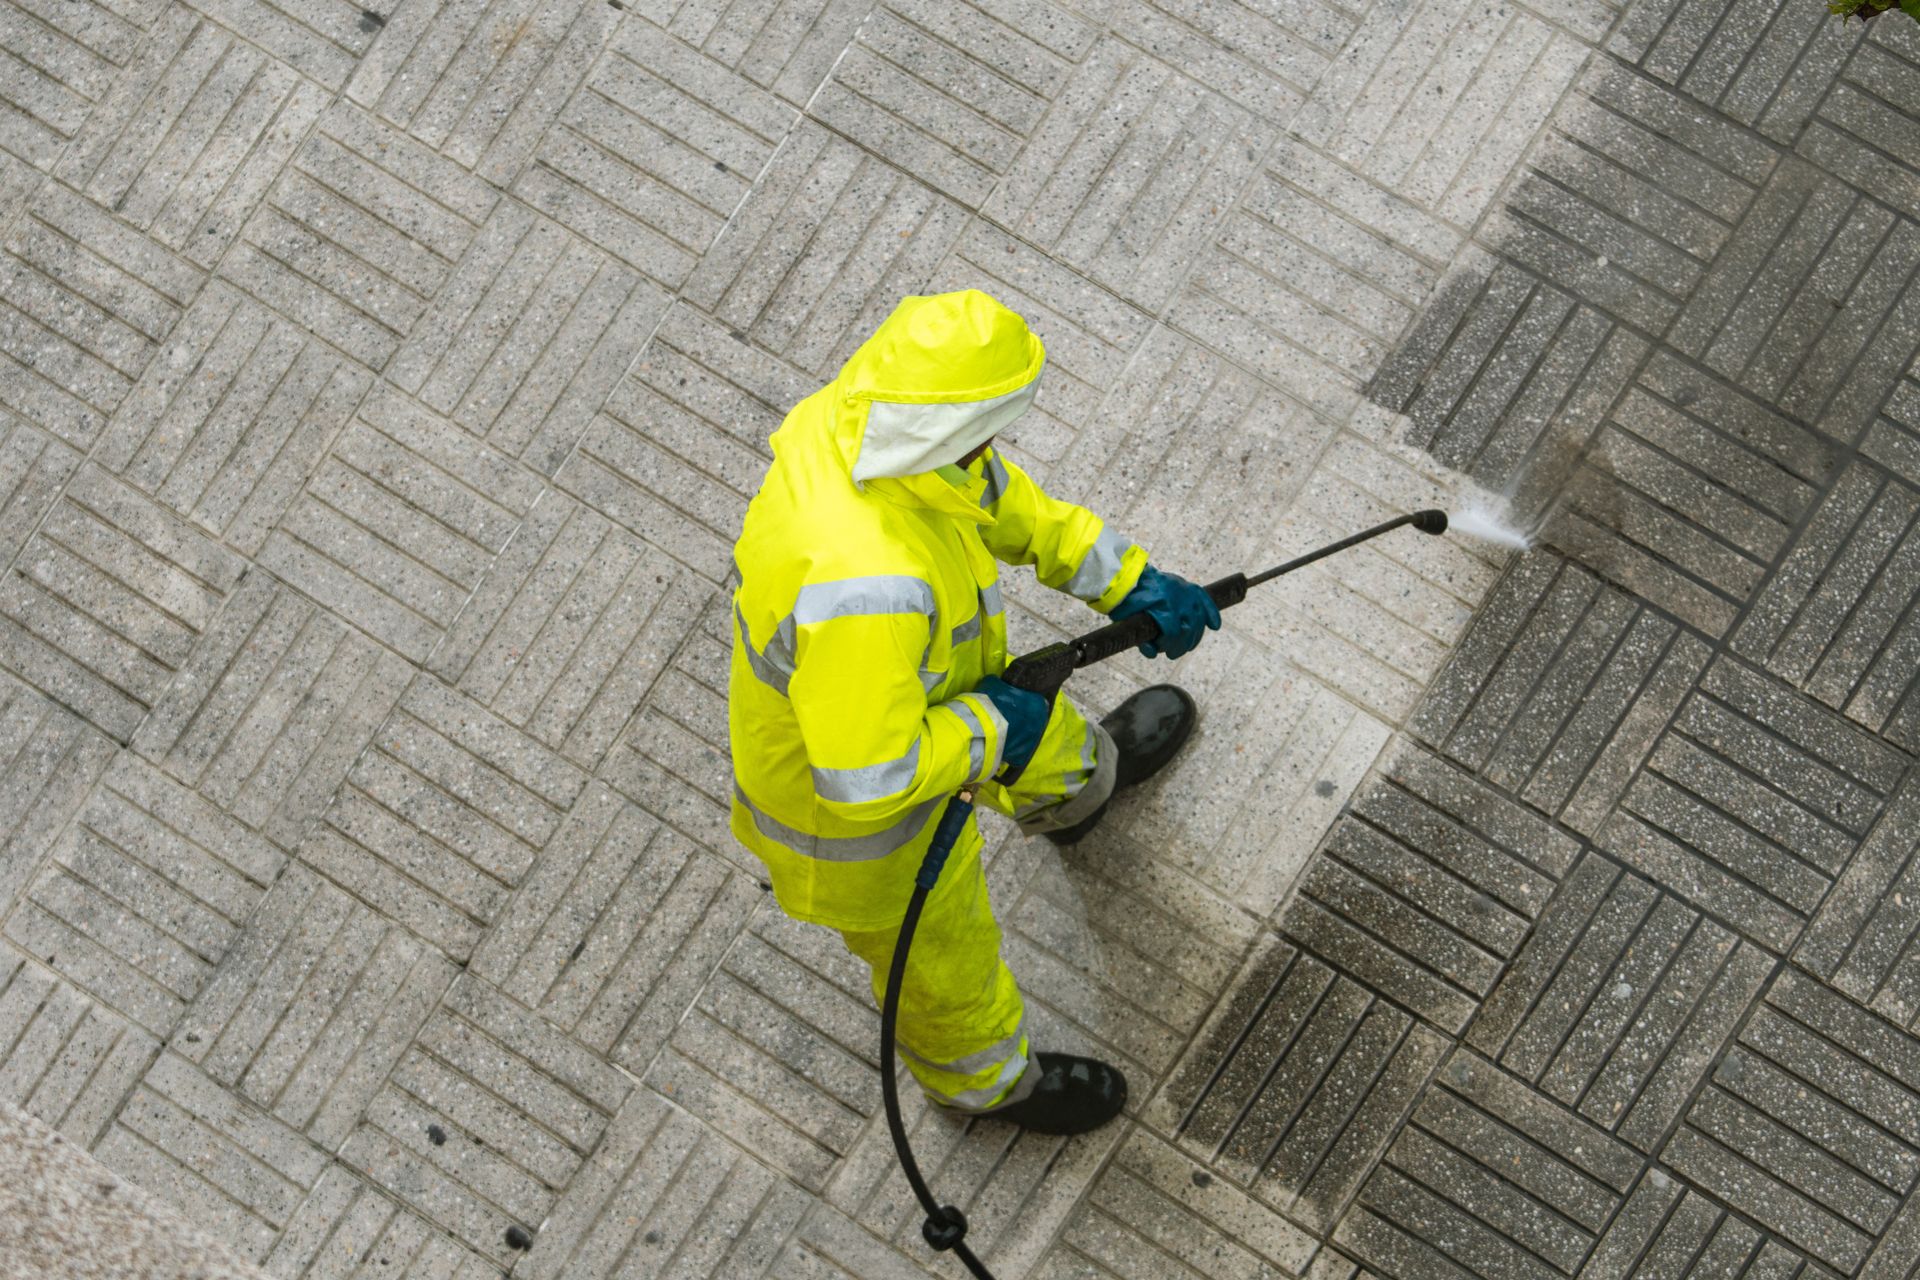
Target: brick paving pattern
(381,389)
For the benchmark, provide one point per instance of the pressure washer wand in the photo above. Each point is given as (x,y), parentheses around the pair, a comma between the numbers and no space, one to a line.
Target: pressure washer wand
(1043,671)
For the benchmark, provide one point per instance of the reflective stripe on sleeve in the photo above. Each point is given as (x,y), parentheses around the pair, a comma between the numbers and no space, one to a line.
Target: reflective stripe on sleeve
(869,781)
(968,630)
(881,593)
(992,603)
(865,848)
(763,665)
(1089,581)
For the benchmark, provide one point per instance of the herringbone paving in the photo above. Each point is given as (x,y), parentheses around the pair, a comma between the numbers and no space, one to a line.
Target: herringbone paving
(381,389)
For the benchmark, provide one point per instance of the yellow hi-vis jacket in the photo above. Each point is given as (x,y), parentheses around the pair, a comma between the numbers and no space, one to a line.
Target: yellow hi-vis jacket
(869,604)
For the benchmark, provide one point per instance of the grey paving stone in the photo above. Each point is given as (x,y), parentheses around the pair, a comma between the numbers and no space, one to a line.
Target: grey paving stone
(192,134)
(951,91)
(1752,803)
(617,929)
(654,152)
(484,1120)
(64,62)
(1132,171)
(232,417)
(673,760)
(358,269)
(664,1195)
(1489,1178)
(1866,119)
(442,817)
(312,1007)
(34,468)
(269,713)
(86,302)
(1809,1124)
(1861,941)
(1296,1083)
(1152,1212)
(143,895)
(347,1228)
(1267,60)
(322,39)
(239,1172)
(1173,416)
(570,628)
(107,600)
(1835,617)
(49,762)
(1438,101)
(68,1060)
(822,249)
(1251,796)
(672,502)
(1514,417)
(481,85)
(1688,492)
(1807,306)
(528,337)
(1560,689)
(1620,1002)
(1666,1226)
(830,1246)
(787,47)
(400,523)
(1427,888)
(1763,64)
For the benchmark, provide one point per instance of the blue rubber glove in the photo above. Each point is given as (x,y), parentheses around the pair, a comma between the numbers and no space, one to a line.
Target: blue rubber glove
(1026,716)
(1183,610)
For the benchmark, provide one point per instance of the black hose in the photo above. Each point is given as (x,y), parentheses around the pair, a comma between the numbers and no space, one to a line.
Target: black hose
(945,1227)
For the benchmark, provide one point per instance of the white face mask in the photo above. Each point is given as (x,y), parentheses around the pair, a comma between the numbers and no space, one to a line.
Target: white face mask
(908,439)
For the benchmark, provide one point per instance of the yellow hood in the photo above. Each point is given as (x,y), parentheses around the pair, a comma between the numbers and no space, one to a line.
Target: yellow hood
(940,377)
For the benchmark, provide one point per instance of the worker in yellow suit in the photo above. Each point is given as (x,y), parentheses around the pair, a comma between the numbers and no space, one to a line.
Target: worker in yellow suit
(868,637)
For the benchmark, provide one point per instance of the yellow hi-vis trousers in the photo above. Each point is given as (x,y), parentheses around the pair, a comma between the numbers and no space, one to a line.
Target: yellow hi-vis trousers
(962,1024)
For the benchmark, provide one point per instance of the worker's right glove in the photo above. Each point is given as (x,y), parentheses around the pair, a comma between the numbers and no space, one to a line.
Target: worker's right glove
(1026,715)
(1183,611)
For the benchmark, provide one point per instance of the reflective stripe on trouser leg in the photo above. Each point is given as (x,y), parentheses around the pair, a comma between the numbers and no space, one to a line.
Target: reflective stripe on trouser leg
(1071,774)
(961,1029)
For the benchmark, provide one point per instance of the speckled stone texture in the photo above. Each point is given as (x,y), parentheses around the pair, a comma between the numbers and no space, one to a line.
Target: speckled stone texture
(64,1214)
(382,385)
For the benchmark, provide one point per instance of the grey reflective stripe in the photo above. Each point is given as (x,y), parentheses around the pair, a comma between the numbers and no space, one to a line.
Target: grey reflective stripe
(977,747)
(968,630)
(981,767)
(869,781)
(1090,580)
(991,601)
(988,1095)
(931,680)
(770,672)
(972,1064)
(881,593)
(865,848)
(997,481)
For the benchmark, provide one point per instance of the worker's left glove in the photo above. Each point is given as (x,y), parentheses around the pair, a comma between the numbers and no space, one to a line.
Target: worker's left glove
(1183,610)
(1026,715)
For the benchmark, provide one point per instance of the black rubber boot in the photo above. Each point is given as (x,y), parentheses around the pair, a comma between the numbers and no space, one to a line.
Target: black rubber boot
(1074,1095)
(1149,729)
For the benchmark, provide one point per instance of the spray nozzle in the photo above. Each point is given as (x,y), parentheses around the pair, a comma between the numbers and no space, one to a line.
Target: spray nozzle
(1431,520)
